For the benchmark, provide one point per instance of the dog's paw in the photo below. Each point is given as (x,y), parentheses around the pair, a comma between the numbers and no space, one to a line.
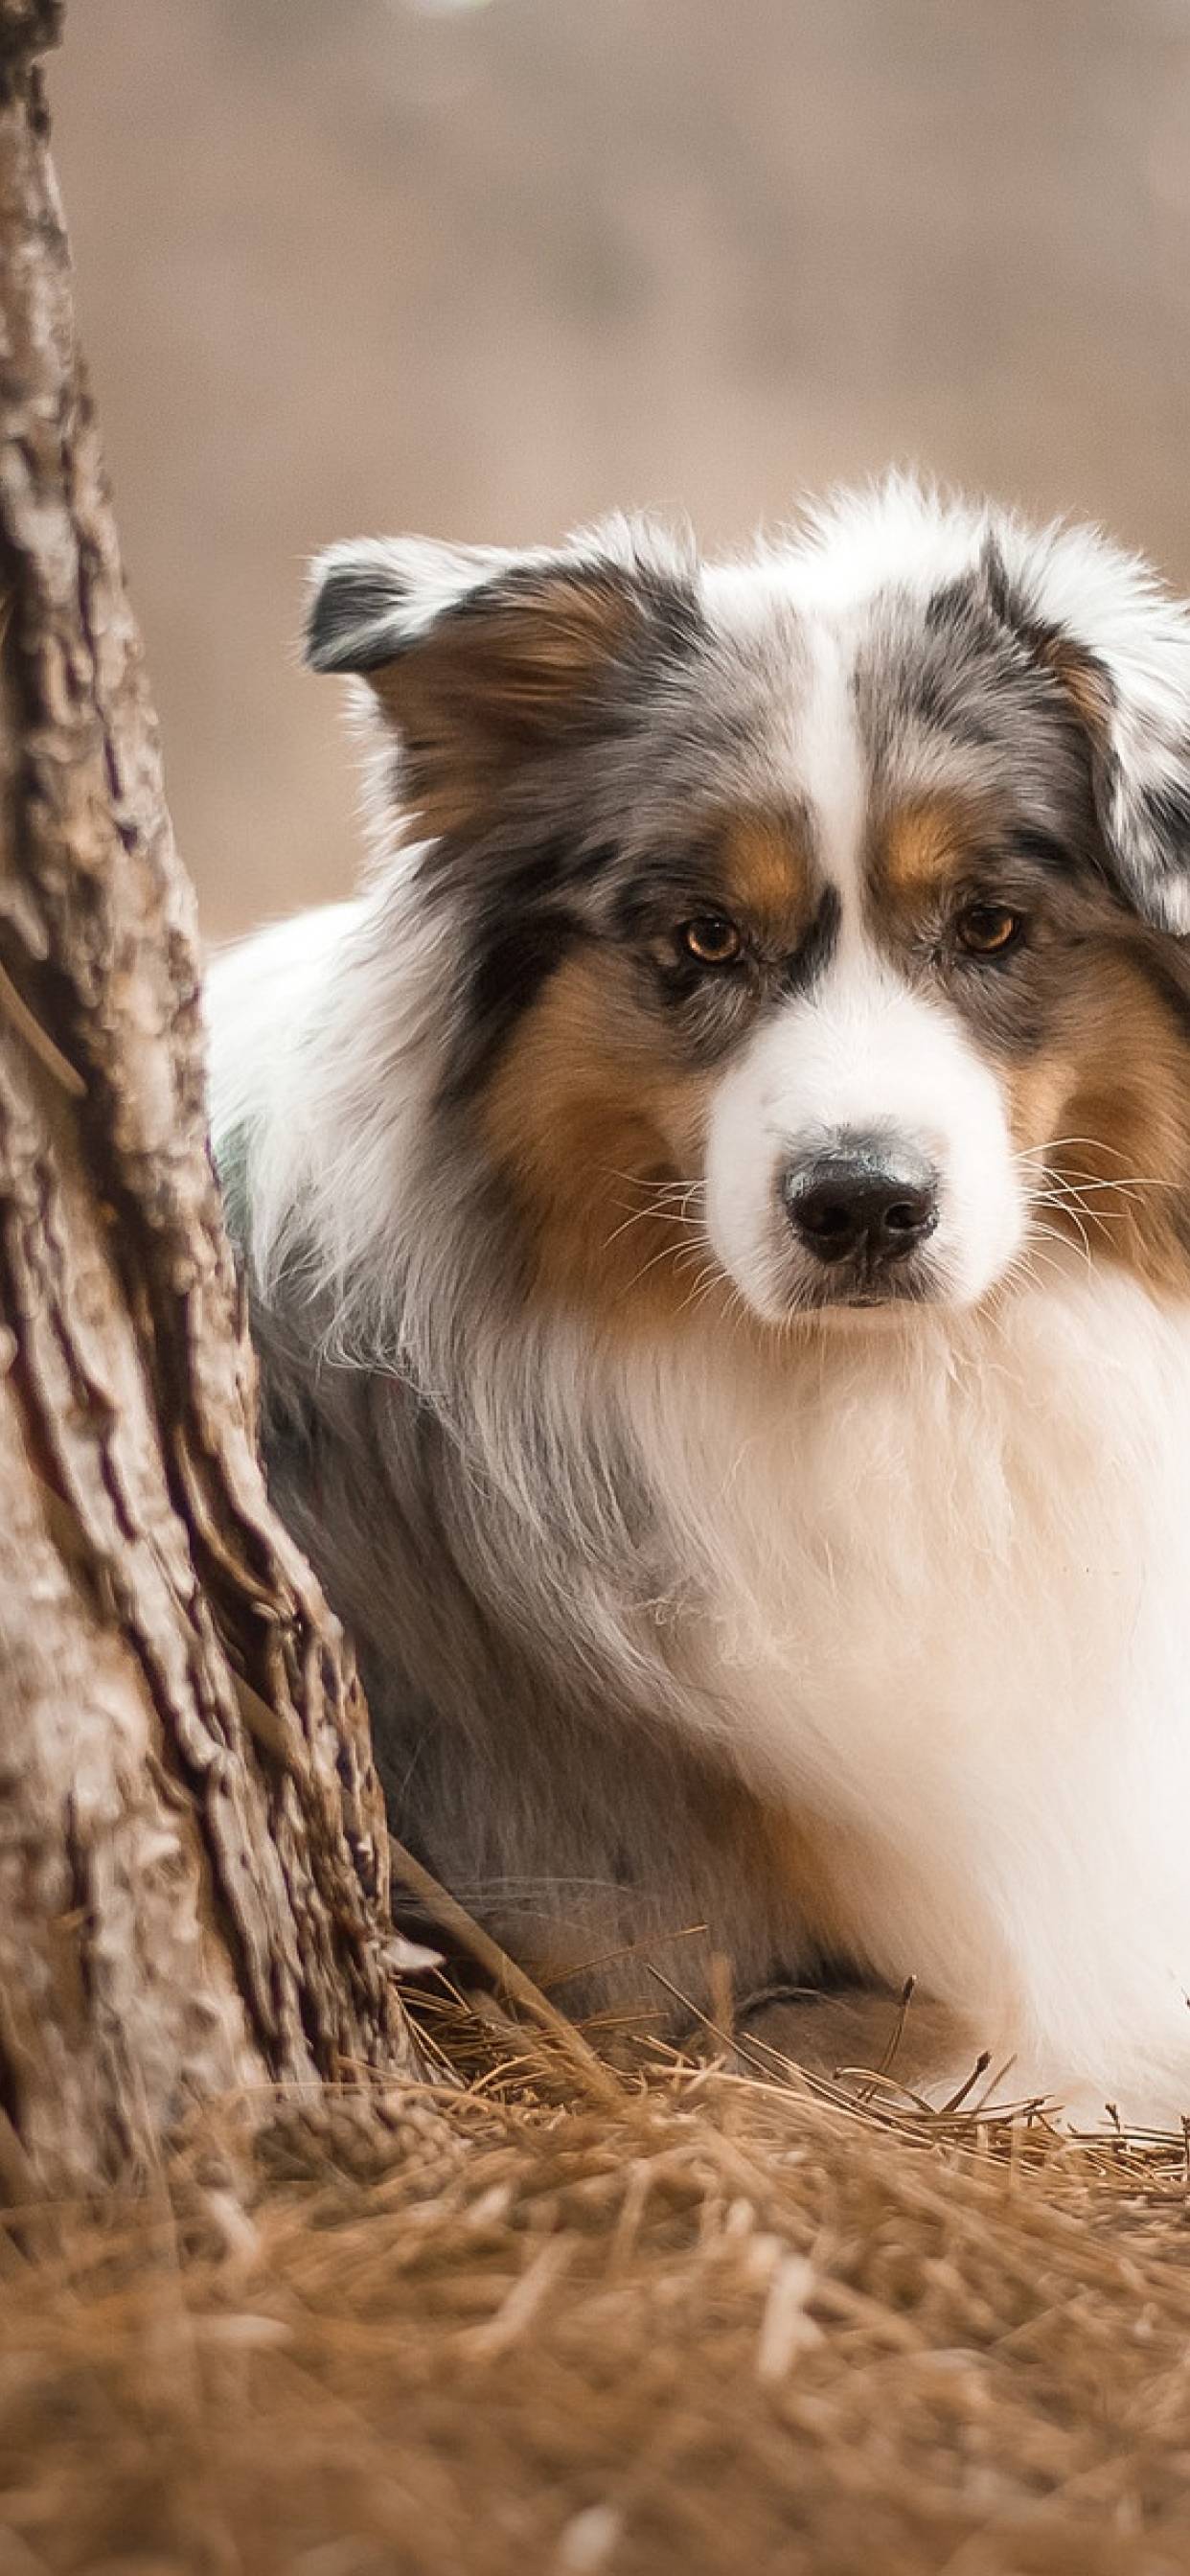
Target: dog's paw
(867,2040)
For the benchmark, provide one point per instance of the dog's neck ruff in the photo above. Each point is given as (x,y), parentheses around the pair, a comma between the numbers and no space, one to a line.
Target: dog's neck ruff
(927,1584)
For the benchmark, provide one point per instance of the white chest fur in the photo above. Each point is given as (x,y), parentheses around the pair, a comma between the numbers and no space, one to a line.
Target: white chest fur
(940,1590)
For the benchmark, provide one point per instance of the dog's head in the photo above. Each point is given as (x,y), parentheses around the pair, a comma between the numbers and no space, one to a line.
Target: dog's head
(811,926)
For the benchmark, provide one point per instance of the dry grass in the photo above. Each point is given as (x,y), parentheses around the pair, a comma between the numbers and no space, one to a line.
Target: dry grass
(733,2325)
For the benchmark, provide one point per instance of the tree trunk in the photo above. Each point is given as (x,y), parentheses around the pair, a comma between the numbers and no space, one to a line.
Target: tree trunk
(193,1864)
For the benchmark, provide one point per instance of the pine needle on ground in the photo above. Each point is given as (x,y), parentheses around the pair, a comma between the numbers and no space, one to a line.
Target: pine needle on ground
(730,2323)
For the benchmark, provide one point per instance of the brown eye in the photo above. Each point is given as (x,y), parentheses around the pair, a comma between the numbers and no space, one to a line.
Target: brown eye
(713,939)
(987,929)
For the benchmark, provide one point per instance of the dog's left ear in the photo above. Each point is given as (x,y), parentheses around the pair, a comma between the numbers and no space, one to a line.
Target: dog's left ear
(1119,647)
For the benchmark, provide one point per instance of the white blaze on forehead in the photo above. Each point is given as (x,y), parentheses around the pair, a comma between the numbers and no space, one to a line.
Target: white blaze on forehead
(828,757)
(806,750)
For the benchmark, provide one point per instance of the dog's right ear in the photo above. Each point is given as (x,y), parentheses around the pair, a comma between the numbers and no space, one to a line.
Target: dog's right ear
(481,660)
(373,598)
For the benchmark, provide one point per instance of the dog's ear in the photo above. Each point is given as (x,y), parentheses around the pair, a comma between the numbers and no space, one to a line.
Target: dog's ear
(482,660)
(1119,649)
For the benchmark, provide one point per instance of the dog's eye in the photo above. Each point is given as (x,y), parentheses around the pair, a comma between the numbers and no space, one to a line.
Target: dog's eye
(711,938)
(987,929)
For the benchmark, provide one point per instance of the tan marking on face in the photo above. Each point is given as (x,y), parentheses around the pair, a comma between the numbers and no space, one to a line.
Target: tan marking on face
(1116,1091)
(924,848)
(1037,1092)
(767,880)
(590,1115)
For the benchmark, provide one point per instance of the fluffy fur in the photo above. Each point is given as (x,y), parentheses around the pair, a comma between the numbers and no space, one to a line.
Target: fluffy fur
(720,1598)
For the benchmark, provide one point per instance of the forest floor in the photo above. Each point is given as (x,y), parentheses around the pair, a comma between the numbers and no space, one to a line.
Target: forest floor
(504,2330)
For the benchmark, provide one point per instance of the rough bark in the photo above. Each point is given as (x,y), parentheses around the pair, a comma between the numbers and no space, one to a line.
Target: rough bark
(193,1864)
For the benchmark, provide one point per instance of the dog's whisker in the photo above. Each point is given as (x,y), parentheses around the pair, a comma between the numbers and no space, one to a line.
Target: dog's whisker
(1086,1184)
(707,1278)
(661,1216)
(666,1253)
(1055,1144)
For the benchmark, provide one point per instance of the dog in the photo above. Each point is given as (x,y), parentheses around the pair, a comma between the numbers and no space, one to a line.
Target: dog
(716,1209)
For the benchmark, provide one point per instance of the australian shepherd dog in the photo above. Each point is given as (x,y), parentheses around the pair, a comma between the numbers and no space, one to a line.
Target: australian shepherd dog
(717,1216)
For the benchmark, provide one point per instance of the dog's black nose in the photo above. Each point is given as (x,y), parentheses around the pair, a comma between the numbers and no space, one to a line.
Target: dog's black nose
(866,1206)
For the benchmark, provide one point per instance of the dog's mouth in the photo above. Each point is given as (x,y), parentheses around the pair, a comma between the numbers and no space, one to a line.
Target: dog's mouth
(784,1285)
(861,1289)
(784,1298)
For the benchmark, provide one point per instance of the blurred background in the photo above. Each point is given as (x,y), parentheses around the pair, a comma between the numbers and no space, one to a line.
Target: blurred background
(485,267)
